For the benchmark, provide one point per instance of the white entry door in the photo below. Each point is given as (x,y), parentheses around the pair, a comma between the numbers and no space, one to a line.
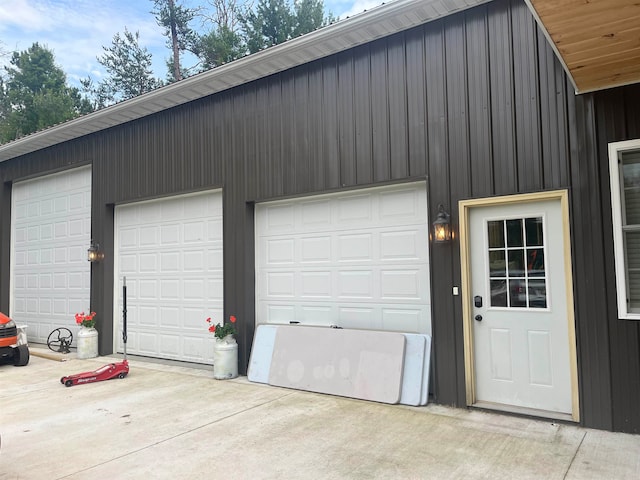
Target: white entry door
(520,308)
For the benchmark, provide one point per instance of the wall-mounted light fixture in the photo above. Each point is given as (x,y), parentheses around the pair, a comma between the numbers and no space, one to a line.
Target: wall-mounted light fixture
(94,254)
(442,226)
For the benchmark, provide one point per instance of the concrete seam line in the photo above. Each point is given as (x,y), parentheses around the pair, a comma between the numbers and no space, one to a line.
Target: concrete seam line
(574,456)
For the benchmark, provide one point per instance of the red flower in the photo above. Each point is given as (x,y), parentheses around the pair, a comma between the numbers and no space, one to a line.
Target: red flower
(86,320)
(222,330)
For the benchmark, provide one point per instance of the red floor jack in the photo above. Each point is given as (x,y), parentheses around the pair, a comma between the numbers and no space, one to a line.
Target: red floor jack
(111,370)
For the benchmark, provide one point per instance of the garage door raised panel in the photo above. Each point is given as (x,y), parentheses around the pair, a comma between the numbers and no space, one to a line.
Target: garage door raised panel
(357,259)
(170,251)
(50,232)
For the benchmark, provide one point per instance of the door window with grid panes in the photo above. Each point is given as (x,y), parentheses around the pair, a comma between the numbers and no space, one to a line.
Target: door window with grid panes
(517,273)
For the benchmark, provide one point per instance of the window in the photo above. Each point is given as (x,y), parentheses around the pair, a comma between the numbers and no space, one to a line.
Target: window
(624,170)
(517,273)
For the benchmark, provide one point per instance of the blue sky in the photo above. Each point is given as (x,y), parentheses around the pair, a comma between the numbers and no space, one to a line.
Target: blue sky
(76,30)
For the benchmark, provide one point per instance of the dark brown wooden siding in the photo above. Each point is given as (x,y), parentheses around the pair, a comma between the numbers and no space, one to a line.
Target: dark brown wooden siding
(612,116)
(477,103)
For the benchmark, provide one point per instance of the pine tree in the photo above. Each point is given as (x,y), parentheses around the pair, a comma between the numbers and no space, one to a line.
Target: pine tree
(175,19)
(129,72)
(35,95)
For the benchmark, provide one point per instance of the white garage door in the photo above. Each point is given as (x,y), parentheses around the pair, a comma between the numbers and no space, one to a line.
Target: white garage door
(357,260)
(170,251)
(50,234)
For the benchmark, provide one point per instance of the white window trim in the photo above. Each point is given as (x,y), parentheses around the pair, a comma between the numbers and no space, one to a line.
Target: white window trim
(618,240)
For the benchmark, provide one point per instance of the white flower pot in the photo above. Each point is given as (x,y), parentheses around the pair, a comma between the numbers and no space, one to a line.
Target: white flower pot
(87,346)
(225,358)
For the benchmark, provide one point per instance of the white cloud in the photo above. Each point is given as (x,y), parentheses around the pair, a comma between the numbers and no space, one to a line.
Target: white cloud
(351,8)
(23,14)
(76,30)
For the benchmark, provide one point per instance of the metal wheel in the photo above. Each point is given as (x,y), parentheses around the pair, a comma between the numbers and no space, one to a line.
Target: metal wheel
(68,383)
(122,375)
(60,340)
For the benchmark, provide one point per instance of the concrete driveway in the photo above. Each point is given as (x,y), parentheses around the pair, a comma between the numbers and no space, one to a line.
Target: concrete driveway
(168,422)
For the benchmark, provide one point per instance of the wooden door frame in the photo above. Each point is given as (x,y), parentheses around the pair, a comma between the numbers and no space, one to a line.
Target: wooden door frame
(464,210)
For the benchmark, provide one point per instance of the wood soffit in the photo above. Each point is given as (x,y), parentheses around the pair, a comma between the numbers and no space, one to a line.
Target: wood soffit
(597,40)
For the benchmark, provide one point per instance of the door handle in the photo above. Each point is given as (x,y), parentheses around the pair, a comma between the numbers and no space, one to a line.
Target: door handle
(478,318)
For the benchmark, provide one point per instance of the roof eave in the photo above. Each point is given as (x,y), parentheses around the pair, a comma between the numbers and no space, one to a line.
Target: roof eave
(368,26)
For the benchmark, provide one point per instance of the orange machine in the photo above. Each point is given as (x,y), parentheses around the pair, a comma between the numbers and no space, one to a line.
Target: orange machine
(10,351)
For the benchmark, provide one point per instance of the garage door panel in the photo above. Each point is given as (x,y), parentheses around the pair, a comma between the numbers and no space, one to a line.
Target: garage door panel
(171,211)
(402,206)
(404,319)
(215,259)
(359,317)
(360,258)
(170,317)
(45,306)
(355,284)
(193,289)
(173,260)
(194,232)
(127,237)
(316,314)
(400,284)
(169,262)
(46,232)
(194,261)
(354,247)
(313,250)
(350,315)
(148,235)
(170,235)
(169,289)
(148,263)
(280,284)
(354,209)
(280,251)
(214,232)
(50,234)
(216,289)
(147,343)
(315,214)
(316,284)
(128,217)
(280,218)
(276,312)
(401,245)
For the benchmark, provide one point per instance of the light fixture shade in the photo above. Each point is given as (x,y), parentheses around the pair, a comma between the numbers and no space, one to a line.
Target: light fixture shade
(442,226)
(93,253)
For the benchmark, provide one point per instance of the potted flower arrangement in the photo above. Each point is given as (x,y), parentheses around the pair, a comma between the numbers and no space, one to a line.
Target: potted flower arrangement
(225,350)
(87,336)
(221,332)
(86,321)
